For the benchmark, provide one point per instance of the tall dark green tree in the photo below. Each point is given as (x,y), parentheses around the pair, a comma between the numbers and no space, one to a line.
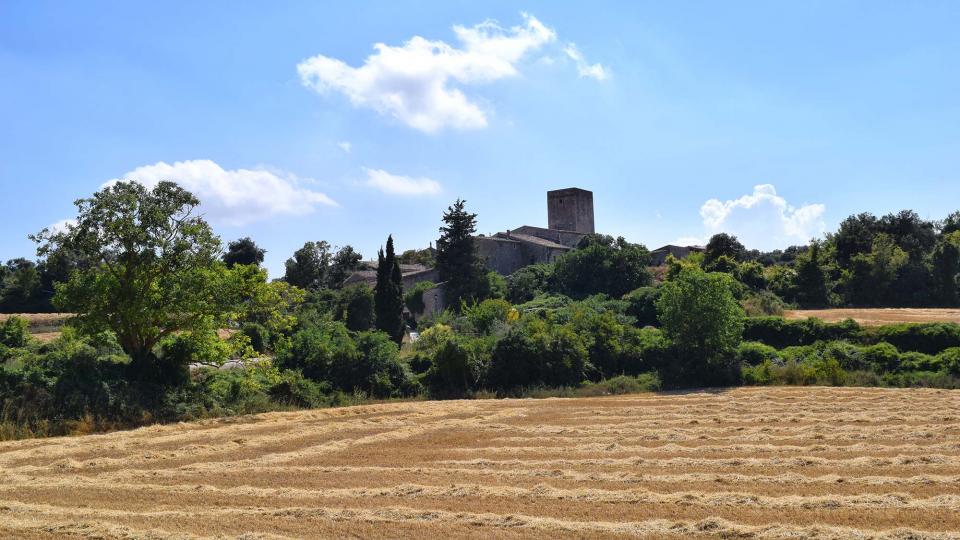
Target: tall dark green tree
(811,283)
(342,265)
(308,267)
(946,270)
(388,294)
(723,244)
(601,264)
(243,251)
(951,224)
(20,290)
(457,260)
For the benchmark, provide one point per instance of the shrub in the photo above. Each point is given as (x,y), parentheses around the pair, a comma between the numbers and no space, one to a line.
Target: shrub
(950,360)
(14,332)
(642,305)
(539,353)
(528,282)
(882,357)
(752,353)
(258,335)
(484,316)
(458,368)
(296,390)
(413,298)
(313,349)
(930,338)
(762,303)
(779,332)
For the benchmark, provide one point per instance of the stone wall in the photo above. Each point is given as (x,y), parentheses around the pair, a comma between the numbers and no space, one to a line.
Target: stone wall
(570,210)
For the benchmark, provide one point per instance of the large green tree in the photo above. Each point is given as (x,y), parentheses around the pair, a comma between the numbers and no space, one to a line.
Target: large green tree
(388,294)
(811,282)
(601,264)
(309,265)
(723,245)
(154,268)
(700,315)
(343,263)
(243,251)
(457,260)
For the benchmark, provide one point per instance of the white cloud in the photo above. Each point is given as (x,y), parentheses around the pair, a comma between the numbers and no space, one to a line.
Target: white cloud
(345,146)
(400,185)
(61,226)
(763,219)
(418,83)
(233,197)
(689,241)
(584,68)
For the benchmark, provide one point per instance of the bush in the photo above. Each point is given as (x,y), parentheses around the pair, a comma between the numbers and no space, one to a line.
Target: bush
(882,357)
(780,333)
(642,305)
(752,353)
(528,282)
(950,360)
(930,338)
(458,368)
(258,335)
(762,303)
(413,298)
(14,332)
(486,315)
(539,353)
(313,350)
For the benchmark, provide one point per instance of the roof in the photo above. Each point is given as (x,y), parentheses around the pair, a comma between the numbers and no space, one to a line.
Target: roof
(539,241)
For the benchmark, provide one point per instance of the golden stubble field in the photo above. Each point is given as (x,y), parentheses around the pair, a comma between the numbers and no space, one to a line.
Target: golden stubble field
(879,316)
(745,463)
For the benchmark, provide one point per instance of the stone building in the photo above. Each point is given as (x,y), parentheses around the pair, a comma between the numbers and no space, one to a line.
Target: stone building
(411,275)
(569,219)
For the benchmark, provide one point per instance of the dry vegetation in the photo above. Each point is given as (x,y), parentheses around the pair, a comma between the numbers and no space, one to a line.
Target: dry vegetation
(745,463)
(43,326)
(879,316)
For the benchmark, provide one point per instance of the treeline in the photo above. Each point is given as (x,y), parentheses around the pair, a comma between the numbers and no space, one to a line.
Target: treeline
(161,308)
(898,260)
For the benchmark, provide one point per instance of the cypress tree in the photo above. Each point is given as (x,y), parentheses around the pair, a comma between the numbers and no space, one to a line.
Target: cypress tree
(457,261)
(388,294)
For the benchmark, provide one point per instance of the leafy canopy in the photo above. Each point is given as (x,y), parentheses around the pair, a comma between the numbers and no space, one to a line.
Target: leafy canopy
(154,267)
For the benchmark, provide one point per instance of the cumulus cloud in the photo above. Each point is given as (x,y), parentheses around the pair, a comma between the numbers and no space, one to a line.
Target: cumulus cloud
(345,146)
(584,68)
(400,185)
(236,196)
(420,82)
(61,226)
(764,219)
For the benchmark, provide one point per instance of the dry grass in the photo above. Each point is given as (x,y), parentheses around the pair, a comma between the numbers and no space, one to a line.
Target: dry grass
(878,316)
(43,326)
(748,463)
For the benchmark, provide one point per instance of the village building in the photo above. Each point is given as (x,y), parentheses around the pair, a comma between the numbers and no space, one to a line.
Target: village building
(569,219)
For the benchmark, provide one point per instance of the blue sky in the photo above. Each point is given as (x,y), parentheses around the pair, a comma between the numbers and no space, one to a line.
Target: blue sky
(771,120)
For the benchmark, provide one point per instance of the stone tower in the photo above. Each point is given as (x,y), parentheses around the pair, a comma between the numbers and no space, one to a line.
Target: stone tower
(570,209)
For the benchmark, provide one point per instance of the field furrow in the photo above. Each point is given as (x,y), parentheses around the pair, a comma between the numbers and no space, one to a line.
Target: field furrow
(745,463)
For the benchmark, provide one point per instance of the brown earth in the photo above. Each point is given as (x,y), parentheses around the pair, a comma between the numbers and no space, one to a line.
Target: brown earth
(745,463)
(878,316)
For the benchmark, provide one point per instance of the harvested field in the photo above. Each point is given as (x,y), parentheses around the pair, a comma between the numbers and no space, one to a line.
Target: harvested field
(879,316)
(43,326)
(746,463)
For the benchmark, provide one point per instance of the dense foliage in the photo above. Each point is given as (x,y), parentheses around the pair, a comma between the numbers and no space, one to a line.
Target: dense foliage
(168,327)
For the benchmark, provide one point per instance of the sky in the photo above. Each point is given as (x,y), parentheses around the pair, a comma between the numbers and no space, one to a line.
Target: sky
(349,121)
